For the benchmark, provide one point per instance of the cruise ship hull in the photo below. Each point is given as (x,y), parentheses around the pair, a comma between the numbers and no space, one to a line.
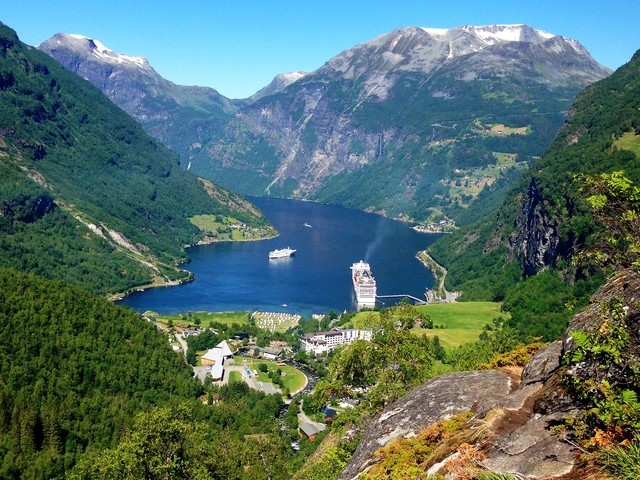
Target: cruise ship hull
(364,285)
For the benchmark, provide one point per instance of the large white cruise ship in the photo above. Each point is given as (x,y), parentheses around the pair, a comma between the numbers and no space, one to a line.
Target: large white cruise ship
(364,284)
(281,252)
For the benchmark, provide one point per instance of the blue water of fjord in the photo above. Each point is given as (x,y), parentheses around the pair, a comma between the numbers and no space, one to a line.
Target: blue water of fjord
(238,276)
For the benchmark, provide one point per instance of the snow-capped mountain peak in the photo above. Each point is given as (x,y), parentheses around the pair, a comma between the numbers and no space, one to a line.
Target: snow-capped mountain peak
(493,34)
(96,48)
(279,83)
(425,49)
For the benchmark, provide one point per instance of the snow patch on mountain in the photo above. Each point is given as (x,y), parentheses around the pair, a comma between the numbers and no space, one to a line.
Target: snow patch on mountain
(293,76)
(507,33)
(436,32)
(279,83)
(423,48)
(82,43)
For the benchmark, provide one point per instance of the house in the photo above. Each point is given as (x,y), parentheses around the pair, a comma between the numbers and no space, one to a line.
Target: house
(226,349)
(309,430)
(498,129)
(269,353)
(215,357)
(212,356)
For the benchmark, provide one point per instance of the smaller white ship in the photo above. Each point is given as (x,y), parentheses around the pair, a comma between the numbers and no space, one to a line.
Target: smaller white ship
(307,225)
(282,253)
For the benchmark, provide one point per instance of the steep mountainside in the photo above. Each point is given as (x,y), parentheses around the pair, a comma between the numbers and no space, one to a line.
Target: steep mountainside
(510,419)
(414,123)
(87,196)
(412,120)
(543,221)
(176,115)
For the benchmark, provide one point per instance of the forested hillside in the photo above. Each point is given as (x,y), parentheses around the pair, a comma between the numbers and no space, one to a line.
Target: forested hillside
(87,195)
(82,380)
(545,221)
(74,369)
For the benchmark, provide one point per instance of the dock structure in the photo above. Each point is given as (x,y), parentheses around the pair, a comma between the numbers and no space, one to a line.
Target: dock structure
(416,300)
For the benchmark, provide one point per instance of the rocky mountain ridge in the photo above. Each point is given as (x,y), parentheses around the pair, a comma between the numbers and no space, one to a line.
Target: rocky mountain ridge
(165,110)
(279,83)
(411,101)
(425,50)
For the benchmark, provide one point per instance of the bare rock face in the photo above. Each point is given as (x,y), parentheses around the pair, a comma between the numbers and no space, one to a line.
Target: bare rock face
(521,442)
(536,238)
(544,364)
(437,399)
(531,451)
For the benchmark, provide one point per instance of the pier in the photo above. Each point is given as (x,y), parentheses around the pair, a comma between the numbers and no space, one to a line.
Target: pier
(416,300)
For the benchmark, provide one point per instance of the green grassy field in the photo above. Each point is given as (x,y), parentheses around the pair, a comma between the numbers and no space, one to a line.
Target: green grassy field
(229,228)
(629,141)
(454,323)
(206,318)
(293,379)
(459,322)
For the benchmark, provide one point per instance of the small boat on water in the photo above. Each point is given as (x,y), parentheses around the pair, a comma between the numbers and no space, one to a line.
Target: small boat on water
(282,253)
(307,225)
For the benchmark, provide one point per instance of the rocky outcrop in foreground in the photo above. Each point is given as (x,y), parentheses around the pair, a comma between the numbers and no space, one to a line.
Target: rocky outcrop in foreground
(518,440)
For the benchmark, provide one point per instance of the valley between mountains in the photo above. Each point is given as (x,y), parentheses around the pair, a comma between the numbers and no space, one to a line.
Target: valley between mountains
(512,139)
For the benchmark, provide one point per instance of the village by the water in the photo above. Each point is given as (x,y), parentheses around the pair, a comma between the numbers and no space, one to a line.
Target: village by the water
(262,367)
(240,356)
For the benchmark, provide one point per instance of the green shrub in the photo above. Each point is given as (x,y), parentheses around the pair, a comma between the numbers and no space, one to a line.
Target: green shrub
(624,462)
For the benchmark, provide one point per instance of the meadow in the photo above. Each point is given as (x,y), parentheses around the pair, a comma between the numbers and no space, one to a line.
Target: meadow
(460,322)
(292,378)
(629,141)
(203,319)
(454,323)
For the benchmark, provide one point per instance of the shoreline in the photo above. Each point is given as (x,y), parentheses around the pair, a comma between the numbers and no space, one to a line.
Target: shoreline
(439,294)
(117,296)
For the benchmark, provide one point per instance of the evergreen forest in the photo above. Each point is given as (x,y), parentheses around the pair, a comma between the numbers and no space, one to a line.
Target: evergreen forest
(75,164)
(80,377)
(90,390)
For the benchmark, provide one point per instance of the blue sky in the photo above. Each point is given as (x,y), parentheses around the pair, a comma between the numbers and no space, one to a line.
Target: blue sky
(238,46)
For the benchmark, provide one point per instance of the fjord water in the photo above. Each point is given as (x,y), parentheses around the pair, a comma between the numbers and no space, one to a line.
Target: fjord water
(238,276)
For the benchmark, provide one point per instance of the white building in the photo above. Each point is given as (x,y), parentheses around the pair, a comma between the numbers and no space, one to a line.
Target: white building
(215,357)
(320,342)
